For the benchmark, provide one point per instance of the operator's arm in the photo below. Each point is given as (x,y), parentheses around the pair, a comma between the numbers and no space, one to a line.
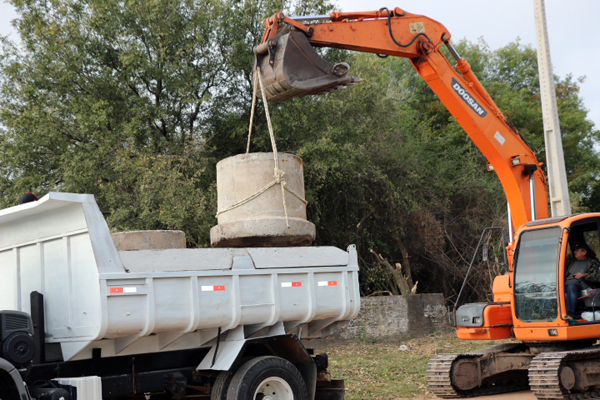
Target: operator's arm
(592,271)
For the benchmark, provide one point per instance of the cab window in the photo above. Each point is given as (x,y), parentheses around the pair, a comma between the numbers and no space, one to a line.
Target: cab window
(585,233)
(536,264)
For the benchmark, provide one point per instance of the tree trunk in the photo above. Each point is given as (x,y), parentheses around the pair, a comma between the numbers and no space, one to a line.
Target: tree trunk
(405,289)
(405,262)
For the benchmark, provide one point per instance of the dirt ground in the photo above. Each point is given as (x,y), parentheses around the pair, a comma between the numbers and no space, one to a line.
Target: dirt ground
(395,370)
(510,396)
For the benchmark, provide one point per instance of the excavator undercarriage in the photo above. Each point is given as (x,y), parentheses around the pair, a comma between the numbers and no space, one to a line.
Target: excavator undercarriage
(557,371)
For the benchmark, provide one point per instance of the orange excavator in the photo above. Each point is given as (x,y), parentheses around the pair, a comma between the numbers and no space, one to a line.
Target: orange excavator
(554,355)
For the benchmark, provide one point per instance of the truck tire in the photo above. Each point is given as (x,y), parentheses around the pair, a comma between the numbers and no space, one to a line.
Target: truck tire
(219,389)
(267,377)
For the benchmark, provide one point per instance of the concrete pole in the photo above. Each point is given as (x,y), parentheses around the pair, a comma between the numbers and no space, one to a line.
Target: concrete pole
(557,177)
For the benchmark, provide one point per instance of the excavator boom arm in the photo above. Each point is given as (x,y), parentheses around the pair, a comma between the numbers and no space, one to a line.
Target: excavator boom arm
(418,38)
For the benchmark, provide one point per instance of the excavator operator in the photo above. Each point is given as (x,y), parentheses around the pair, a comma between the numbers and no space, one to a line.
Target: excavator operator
(583,270)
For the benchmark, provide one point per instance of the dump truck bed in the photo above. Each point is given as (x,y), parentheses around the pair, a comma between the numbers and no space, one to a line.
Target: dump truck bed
(131,302)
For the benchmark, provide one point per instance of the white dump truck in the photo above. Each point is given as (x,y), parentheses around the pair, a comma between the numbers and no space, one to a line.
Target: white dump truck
(81,320)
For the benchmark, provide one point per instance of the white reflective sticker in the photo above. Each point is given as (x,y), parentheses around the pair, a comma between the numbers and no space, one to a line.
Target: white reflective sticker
(130,289)
(291,284)
(217,288)
(499,138)
(327,283)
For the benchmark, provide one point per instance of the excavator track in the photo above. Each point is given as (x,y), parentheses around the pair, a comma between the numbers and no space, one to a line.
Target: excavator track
(439,375)
(545,374)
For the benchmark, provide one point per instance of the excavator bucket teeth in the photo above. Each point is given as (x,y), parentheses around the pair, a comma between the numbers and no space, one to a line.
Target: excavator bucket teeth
(290,67)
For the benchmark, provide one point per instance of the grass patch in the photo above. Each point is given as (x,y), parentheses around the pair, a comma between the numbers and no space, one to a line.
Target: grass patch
(382,371)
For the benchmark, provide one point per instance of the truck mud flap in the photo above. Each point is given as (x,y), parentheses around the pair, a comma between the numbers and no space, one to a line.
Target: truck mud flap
(290,67)
(332,390)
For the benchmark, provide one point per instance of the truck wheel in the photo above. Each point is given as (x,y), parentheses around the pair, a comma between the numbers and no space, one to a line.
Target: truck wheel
(267,378)
(219,389)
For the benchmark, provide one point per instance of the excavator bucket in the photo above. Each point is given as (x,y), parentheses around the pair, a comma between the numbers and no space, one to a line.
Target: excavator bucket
(290,67)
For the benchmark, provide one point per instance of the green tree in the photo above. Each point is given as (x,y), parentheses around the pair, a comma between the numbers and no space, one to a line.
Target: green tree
(510,75)
(379,175)
(120,99)
(397,171)
(135,102)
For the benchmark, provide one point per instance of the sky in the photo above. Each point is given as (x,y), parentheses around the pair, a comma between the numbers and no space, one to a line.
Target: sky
(573,26)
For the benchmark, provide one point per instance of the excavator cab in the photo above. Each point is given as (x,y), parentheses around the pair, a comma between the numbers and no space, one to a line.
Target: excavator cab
(543,256)
(290,67)
(536,283)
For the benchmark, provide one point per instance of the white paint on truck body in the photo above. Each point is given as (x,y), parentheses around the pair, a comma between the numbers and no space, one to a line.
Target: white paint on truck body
(132,302)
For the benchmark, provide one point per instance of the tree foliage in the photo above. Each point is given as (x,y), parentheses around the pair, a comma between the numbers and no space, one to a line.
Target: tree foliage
(135,102)
(107,96)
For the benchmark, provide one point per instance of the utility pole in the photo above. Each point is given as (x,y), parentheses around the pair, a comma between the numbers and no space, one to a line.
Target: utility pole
(555,159)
